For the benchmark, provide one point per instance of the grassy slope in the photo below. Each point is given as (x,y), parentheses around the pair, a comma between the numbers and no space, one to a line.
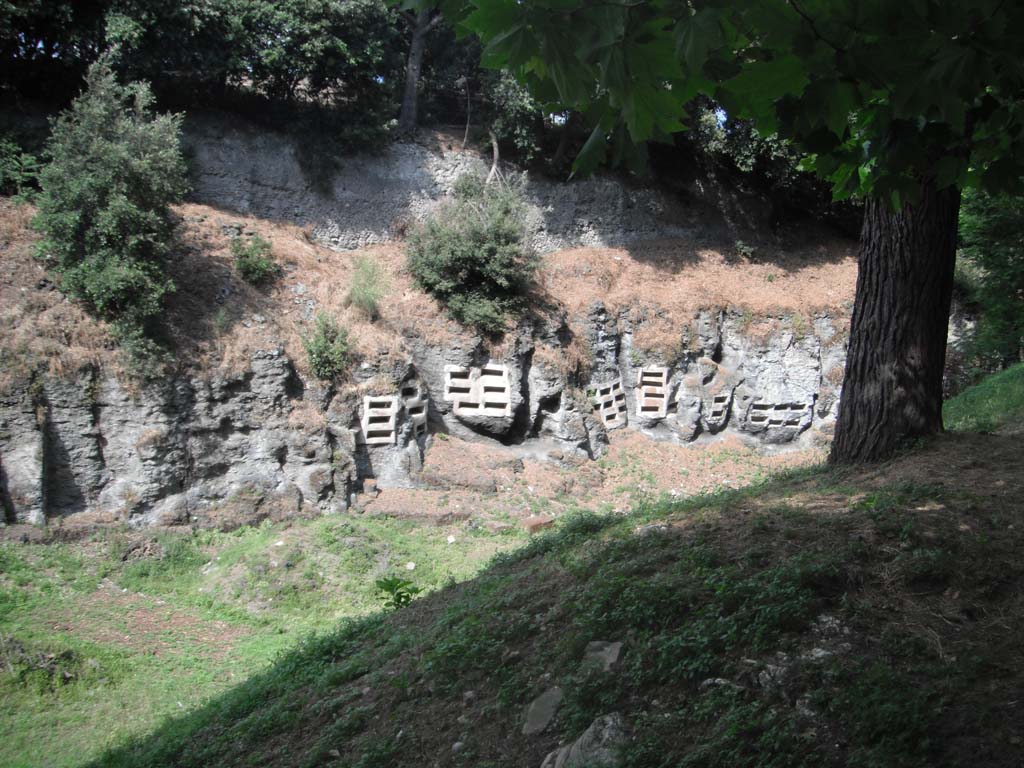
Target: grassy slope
(95,649)
(917,560)
(863,618)
(996,401)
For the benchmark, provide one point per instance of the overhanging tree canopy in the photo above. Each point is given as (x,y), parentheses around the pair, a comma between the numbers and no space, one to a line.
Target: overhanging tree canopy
(904,103)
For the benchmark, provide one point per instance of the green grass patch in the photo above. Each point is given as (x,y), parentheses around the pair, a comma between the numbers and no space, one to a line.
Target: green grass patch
(225,617)
(994,402)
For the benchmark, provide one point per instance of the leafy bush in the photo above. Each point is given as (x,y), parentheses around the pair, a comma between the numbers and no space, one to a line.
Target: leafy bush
(472,254)
(253,259)
(145,358)
(396,592)
(104,207)
(991,269)
(328,348)
(369,284)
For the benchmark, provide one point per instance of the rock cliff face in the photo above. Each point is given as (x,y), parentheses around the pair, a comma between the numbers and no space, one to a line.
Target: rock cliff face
(225,450)
(366,199)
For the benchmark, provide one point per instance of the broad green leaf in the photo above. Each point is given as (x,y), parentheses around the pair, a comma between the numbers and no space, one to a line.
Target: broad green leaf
(593,152)
(696,36)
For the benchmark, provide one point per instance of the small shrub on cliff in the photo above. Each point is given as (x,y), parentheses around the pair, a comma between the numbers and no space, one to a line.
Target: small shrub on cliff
(472,254)
(369,284)
(19,171)
(253,259)
(104,208)
(328,348)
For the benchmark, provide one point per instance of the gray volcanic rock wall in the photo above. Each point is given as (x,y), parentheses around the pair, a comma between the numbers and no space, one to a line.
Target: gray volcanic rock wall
(228,450)
(359,200)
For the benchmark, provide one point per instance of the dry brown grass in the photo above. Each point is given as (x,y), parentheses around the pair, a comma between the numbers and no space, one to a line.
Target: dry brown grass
(662,283)
(39,329)
(314,279)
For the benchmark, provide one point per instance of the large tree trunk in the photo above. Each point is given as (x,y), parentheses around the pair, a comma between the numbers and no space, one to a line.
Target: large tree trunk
(421,25)
(892,388)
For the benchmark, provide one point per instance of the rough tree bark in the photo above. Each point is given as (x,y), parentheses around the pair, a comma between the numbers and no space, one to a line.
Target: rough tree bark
(420,25)
(892,387)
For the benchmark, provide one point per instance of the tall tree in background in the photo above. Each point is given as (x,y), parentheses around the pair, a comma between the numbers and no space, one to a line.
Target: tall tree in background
(46,45)
(420,19)
(903,103)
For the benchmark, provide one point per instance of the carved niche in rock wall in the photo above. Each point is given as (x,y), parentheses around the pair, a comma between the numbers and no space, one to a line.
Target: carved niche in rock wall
(764,415)
(485,391)
(415,402)
(609,403)
(380,420)
(652,392)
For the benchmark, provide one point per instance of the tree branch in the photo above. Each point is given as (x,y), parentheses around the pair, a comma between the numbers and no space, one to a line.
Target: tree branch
(435,21)
(814,29)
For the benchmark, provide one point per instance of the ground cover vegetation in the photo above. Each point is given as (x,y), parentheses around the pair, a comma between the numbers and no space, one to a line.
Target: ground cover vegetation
(828,617)
(105,635)
(993,403)
(254,259)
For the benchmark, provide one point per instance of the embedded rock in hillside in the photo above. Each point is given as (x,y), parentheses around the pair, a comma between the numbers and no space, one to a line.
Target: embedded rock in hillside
(542,711)
(599,746)
(21,452)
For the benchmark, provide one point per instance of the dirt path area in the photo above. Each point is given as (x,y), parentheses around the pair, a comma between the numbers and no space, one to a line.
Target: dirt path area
(115,616)
(498,485)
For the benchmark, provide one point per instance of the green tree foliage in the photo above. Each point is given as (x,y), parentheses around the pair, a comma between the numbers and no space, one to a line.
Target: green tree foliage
(511,113)
(992,232)
(876,94)
(330,64)
(46,45)
(455,87)
(341,59)
(472,254)
(116,167)
(182,46)
(328,348)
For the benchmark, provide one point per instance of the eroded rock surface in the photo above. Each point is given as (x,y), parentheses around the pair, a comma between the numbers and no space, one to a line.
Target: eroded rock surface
(228,449)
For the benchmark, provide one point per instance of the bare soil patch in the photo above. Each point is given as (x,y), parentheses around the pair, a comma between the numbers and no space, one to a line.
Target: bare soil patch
(114,616)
